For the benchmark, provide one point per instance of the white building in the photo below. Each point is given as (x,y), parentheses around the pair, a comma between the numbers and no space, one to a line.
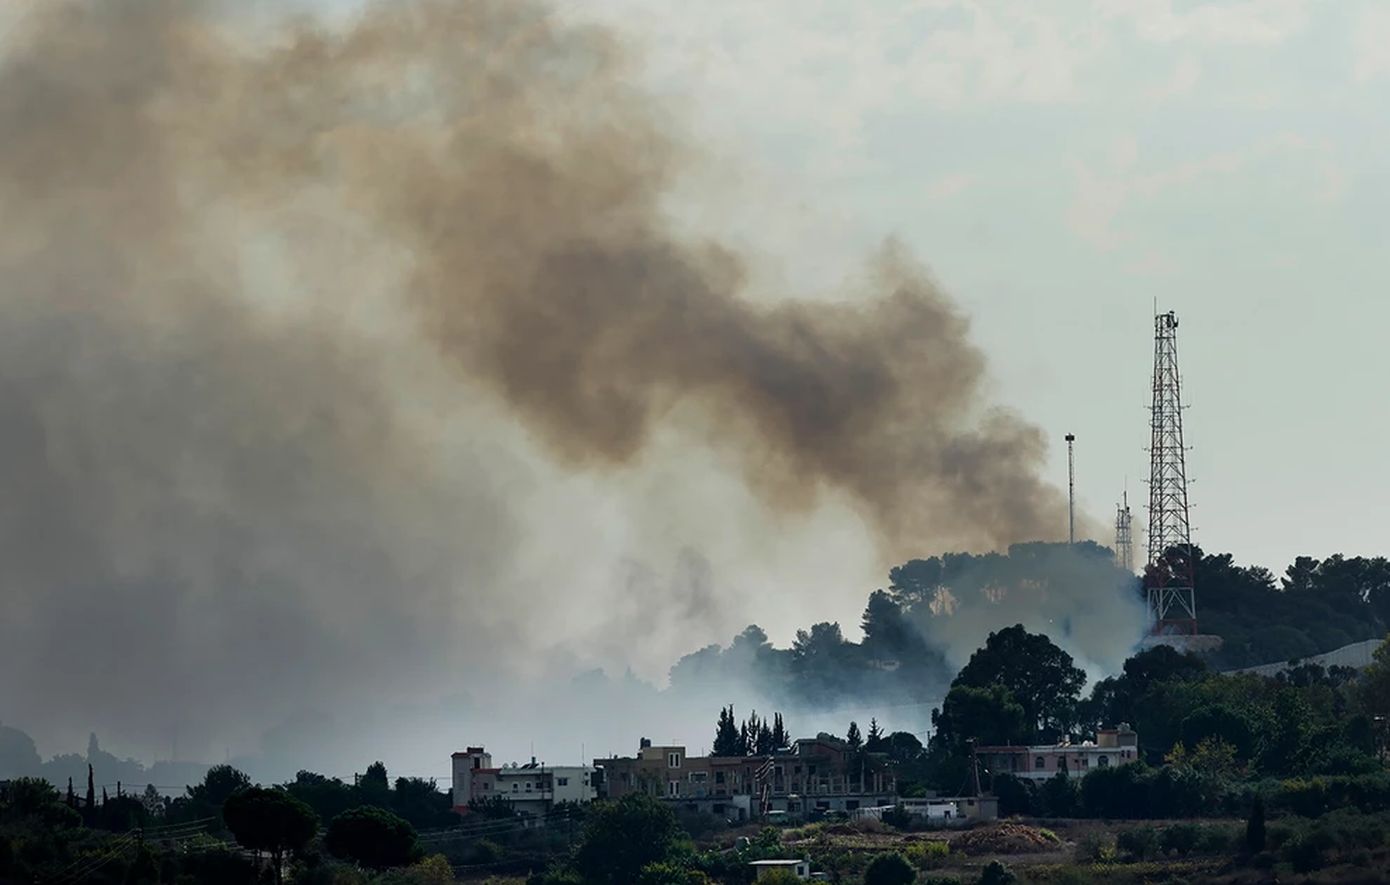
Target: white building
(533,788)
(798,868)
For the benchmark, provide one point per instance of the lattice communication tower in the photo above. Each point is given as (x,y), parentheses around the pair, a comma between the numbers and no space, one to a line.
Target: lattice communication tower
(1168,576)
(1124,536)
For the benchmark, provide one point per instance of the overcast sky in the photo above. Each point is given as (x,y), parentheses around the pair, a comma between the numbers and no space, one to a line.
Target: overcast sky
(1061,166)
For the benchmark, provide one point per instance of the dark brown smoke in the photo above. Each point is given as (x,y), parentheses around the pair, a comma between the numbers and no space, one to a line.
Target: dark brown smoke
(234,257)
(523,176)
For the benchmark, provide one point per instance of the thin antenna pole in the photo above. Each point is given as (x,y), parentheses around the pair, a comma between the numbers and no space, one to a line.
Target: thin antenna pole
(1071,489)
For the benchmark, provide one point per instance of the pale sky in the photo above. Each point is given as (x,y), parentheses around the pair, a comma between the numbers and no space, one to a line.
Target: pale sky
(1063,165)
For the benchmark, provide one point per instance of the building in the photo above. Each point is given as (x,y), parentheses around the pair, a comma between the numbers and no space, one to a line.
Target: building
(1112,746)
(533,788)
(765,868)
(938,809)
(814,774)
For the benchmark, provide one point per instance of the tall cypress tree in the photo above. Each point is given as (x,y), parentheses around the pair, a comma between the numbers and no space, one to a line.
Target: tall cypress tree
(91,792)
(853,737)
(780,739)
(726,737)
(72,797)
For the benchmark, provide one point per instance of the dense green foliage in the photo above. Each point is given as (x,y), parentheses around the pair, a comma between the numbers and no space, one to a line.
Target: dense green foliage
(372,837)
(889,869)
(621,838)
(271,821)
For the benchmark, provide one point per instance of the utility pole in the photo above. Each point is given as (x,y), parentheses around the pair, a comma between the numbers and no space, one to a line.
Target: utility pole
(1071,489)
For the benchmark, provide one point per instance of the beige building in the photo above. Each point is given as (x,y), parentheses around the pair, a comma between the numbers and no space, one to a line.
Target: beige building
(821,773)
(1112,747)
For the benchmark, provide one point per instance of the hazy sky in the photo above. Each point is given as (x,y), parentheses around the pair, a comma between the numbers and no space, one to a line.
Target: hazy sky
(1060,166)
(1059,171)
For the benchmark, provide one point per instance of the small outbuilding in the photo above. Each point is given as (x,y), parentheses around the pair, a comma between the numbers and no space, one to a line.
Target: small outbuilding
(799,868)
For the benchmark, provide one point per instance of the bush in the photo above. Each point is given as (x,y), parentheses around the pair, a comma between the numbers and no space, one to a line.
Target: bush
(898,817)
(1139,843)
(673,874)
(1278,835)
(996,873)
(926,852)
(779,877)
(1214,840)
(1304,853)
(1179,839)
(1015,795)
(889,869)
(487,851)
(1094,847)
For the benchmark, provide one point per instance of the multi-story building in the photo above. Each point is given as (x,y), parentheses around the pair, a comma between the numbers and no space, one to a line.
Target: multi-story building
(532,788)
(820,773)
(1112,746)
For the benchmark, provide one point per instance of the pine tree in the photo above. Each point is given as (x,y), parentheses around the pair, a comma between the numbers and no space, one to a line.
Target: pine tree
(727,741)
(743,739)
(875,735)
(104,798)
(754,726)
(765,746)
(853,737)
(779,733)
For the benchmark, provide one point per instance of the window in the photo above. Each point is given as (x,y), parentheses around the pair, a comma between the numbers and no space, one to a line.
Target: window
(698,777)
(528,786)
(516,787)
(1103,762)
(673,760)
(1040,763)
(719,777)
(487,785)
(673,788)
(562,782)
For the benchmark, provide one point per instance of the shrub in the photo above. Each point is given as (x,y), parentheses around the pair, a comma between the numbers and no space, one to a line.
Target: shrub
(1094,847)
(889,869)
(1278,835)
(1213,840)
(674,874)
(898,817)
(487,851)
(996,873)
(1304,853)
(1138,842)
(1179,839)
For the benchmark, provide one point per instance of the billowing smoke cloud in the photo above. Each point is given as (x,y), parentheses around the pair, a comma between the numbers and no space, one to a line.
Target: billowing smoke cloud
(340,360)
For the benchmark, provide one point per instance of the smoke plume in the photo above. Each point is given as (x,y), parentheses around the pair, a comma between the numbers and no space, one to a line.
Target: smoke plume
(338,358)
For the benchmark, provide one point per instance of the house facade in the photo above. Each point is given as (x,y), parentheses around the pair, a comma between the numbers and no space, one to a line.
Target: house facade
(820,773)
(1112,747)
(531,788)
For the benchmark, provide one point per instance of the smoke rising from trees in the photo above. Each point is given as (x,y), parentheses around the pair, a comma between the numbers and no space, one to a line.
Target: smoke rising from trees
(334,356)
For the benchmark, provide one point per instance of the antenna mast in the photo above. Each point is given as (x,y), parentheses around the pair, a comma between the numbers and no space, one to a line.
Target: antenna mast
(1168,577)
(1124,536)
